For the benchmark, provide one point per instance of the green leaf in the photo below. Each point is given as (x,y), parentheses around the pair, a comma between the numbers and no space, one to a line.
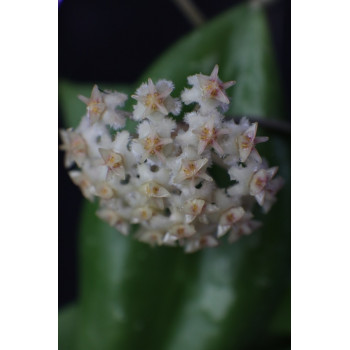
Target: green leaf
(134,296)
(67,328)
(281,321)
(239,42)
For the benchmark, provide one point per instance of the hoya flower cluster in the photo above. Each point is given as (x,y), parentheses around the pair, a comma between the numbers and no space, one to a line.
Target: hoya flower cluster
(160,177)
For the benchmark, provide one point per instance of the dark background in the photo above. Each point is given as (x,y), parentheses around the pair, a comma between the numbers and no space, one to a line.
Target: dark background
(115,41)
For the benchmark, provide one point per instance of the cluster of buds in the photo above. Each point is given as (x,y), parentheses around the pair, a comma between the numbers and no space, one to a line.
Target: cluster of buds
(160,177)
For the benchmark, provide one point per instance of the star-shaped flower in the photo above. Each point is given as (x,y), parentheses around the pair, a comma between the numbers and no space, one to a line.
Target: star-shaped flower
(153,190)
(229,218)
(270,193)
(178,232)
(208,91)
(102,105)
(95,105)
(75,147)
(259,183)
(114,162)
(191,169)
(194,208)
(208,136)
(245,226)
(155,98)
(153,146)
(213,87)
(104,190)
(247,141)
(142,214)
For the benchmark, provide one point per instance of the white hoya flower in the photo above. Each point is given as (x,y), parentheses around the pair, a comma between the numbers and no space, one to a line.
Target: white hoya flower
(208,91)
(120,145)
(242,174)
(95,105)
(142,214)
(208,136)
(195,204)
(155,193)
(114,219)
(198,208)
(241,143)
(244,226)
(194,244)
(229,218)
(102,105)
(149,144)
(270,193)
(148,173)
(75,147)
(114,162)
(131,195)
(84,183)
(207,130)
(246,142)
(104,190)
(179,232)
(192,169)
(113,116)
(162,176)
(152,237)
(259,183)
(254,181)
(155,99)
(96,137)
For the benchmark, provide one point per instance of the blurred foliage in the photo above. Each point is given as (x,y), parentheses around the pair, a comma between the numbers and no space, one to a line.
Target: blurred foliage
(67,324)
(235,296)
